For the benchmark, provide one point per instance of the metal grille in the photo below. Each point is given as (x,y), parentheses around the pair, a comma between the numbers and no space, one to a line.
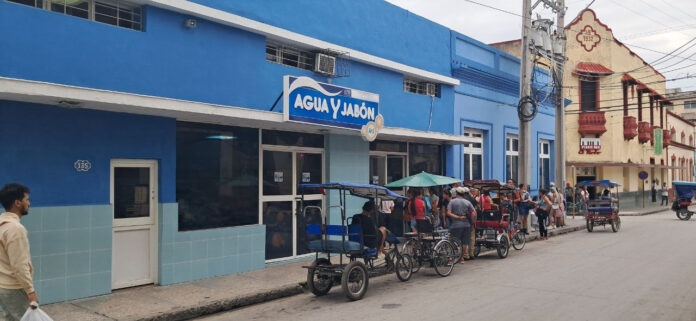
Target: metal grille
(289,56)
(33,3)
(117,13)
(421,87)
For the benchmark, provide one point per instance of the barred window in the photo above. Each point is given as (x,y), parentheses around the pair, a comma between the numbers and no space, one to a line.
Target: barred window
(113,12)
(421,87)
(289,56)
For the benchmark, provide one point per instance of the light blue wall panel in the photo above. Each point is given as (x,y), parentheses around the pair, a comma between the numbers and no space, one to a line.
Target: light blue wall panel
(195,255)
(347,160)
(72,259)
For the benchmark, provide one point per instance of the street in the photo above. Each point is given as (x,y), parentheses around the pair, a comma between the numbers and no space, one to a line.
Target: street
(643,272)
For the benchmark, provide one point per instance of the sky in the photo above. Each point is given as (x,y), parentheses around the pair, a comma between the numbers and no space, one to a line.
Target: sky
(659,25)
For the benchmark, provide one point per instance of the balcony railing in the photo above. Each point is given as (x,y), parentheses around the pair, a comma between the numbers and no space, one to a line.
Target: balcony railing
(666,137)
(630,127)
(644,132)
(592,123)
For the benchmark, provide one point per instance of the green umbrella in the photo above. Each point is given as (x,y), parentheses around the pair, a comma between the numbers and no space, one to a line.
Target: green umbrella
(424,179)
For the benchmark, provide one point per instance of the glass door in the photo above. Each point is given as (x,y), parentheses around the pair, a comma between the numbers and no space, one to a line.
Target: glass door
(284,169)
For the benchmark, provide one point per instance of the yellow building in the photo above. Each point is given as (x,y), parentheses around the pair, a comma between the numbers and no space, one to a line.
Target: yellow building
(618,103)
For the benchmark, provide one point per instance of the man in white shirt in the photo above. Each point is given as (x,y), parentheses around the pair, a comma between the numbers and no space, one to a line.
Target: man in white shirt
(16,271)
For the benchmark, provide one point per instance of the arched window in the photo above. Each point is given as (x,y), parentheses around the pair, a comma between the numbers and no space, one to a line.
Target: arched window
(683,137)
(691,140)
(673,135)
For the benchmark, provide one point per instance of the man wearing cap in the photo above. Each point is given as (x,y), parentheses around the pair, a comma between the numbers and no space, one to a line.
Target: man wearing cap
(460,211)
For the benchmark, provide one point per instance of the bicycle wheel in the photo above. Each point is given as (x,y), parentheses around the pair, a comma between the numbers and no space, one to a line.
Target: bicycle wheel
(519,240)
(412,248)
(354,280)
(457,244)
(317,282)
(443,258)
(403,267)
(504,246)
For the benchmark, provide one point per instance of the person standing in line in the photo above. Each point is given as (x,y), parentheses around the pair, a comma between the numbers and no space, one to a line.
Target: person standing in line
(560,212)
(653,190)
(16,272)
(542,212)
(472,221)
(551,217)
(460,211)
(446,198)
(524,205)
(415,208)
(664,194)
(435,207)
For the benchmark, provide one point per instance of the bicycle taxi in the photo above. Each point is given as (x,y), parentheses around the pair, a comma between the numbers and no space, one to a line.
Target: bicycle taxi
(497,228)
(604,209)
(356,263)
(684,193)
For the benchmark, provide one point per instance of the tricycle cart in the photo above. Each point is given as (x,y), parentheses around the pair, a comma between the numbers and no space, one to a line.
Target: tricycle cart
(356,263)
(604,209)
(497,228)
(684,194)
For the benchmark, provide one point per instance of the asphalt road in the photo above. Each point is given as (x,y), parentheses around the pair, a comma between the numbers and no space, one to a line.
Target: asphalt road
(646,271)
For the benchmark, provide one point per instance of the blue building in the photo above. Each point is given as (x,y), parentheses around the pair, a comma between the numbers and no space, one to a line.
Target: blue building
(164,140)
(485,110)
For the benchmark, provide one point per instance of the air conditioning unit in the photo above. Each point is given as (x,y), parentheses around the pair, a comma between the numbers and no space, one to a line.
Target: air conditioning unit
(325,64)
(430,89)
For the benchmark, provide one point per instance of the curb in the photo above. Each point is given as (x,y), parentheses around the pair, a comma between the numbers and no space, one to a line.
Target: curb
(218,306)
(645,213)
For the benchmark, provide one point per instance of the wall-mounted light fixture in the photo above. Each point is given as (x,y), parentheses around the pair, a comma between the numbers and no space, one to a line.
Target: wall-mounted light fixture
(69,104)
(190,23)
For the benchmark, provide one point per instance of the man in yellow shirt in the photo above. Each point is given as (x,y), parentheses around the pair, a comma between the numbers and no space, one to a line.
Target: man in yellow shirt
(16,271)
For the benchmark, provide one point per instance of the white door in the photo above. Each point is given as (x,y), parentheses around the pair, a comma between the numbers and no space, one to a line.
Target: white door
(134,202)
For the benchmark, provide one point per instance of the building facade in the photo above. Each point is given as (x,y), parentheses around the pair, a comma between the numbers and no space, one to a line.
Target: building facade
(618,103)
(164,142)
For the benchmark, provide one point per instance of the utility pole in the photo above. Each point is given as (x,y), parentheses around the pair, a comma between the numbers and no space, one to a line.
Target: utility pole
(524,165)
(560,159)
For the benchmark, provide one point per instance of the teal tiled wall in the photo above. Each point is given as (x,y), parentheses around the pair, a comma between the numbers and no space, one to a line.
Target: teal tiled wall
(70,251)
(195,255)
(347,160)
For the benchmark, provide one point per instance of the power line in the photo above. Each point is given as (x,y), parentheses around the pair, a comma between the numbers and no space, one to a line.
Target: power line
(494,8)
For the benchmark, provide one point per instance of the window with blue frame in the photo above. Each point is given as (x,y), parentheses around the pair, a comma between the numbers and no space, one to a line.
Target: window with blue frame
(473,154)
(512,152)
(544,164)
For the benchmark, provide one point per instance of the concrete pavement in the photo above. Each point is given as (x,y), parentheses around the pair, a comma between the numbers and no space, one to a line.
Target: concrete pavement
(643,272)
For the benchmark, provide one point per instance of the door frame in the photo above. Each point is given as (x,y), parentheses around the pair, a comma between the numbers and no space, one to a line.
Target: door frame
(138,223)
(294,150)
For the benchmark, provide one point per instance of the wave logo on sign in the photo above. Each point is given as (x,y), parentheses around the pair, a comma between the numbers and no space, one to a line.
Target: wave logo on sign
(306,100)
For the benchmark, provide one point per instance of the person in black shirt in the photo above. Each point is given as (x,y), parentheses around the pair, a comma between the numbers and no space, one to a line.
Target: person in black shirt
(373,229)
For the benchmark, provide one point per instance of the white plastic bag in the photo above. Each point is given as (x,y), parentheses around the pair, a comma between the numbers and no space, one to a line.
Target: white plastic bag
(35,314)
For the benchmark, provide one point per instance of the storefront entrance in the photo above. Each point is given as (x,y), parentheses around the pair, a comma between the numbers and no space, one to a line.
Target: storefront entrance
(284,168)
(134,244)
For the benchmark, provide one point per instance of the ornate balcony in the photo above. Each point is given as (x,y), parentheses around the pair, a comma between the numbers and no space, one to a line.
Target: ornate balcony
(630,127)
(644,132)
(592,123)
(666,137)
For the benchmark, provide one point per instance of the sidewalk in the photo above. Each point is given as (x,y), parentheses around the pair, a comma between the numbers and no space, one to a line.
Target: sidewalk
(652,209)
(198,298)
